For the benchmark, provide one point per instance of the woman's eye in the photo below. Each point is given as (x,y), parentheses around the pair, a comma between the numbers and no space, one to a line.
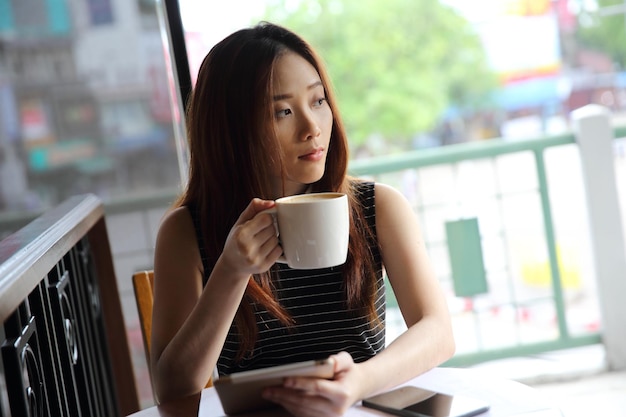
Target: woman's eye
(283,113)
(320,101)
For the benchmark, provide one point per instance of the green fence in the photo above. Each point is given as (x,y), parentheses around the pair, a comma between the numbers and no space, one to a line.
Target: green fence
(503,306)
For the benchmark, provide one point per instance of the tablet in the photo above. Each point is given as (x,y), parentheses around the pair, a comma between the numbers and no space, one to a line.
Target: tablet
(241,392)
(417,402)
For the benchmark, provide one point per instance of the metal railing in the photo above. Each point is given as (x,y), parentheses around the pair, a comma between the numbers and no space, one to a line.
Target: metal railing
(63,350)
(392,169)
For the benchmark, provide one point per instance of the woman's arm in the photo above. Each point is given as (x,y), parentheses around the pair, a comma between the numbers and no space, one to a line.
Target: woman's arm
(428,340)
(189,323)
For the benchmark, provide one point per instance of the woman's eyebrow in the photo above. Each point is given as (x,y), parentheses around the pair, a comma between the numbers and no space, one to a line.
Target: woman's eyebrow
(286,96)
(315,84)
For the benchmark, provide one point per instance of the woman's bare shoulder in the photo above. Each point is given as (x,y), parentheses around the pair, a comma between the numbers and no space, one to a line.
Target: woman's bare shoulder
(393,211)
(176,238)
(386,194)
(177,221)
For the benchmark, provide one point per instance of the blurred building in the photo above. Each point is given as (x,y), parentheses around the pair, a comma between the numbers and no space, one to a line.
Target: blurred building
(544,73)
(84,101)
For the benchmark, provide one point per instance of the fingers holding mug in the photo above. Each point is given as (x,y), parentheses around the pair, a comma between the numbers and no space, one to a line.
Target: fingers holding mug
(252,246)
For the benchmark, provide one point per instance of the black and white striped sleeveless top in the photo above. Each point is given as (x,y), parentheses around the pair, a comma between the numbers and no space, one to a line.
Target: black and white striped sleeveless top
(316,301)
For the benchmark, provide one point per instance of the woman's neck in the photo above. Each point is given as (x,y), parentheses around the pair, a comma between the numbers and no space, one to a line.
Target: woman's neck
(292,189)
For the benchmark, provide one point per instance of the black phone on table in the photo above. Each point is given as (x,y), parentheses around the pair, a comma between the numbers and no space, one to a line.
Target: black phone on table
(411,401)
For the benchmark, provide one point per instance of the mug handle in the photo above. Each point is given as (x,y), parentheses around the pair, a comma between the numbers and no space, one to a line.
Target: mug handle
(272,211)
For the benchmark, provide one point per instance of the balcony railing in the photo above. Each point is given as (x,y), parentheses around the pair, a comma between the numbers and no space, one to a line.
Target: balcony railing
(532,282)
(63,343)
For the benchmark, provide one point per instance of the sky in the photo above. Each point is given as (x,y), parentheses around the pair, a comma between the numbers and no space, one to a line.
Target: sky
(206,22)
(216,19)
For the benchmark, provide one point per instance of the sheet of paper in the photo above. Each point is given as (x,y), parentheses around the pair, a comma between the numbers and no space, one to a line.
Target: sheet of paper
(210,405)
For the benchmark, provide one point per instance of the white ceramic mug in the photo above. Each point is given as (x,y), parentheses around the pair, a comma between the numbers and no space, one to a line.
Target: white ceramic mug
(313,229)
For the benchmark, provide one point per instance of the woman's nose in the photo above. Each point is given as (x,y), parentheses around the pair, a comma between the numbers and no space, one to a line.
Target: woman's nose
(310,127)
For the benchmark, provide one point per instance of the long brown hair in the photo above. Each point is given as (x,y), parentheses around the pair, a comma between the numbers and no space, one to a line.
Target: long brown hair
(232,145)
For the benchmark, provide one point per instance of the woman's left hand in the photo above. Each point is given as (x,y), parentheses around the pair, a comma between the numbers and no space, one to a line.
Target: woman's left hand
(306,397)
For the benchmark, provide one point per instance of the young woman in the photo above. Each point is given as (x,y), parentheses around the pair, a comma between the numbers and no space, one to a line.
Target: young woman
(262,123)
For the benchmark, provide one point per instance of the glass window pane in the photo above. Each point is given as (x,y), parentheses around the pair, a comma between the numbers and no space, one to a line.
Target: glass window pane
(85,103)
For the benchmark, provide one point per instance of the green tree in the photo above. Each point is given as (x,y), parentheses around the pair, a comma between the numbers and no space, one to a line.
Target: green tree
(396,65)
(604,33)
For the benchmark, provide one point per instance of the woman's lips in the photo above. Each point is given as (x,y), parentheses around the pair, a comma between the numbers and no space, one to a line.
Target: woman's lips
(314,155)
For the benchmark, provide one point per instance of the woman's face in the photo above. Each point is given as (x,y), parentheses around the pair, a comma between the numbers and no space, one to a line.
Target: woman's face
(303,122)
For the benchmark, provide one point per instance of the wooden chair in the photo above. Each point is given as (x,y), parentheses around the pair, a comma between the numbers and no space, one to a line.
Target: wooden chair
(143,284)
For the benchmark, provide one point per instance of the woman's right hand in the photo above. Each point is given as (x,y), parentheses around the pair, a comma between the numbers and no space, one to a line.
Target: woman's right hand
(252,245)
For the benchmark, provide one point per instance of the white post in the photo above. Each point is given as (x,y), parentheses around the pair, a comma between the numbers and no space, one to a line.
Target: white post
(594,134)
